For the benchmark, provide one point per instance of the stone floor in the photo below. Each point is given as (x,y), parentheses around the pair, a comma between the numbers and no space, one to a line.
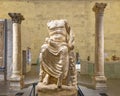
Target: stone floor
(30,78)
(84,82)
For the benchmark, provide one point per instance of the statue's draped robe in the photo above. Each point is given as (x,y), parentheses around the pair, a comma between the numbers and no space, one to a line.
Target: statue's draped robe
(55,60)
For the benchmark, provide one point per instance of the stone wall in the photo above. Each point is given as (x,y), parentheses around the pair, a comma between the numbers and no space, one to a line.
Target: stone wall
(78,13)
(112,69)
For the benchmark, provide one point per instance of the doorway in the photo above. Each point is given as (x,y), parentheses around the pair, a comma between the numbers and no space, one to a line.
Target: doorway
(3,68)
(1,43)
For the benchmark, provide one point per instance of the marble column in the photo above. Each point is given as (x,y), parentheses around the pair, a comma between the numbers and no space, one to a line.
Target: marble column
(99,77)
(16,77)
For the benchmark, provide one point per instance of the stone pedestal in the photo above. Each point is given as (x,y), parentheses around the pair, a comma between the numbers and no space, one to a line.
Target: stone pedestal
(99,78)
(16,83)
(100,82)
(16,79)
(52,90)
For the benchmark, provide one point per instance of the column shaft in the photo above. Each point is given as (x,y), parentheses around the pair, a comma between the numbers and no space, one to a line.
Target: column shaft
(99,46)
(16,50)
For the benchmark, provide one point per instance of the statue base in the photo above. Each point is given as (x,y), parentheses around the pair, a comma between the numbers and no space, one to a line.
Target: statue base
(52,90)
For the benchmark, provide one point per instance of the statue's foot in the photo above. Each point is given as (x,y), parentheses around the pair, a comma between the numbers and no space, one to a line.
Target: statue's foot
(40,79)
(59,83)
(59,87)
(46,79)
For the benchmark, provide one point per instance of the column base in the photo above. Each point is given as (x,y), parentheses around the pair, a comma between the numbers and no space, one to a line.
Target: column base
(52,90)
(16,83)
(100,82)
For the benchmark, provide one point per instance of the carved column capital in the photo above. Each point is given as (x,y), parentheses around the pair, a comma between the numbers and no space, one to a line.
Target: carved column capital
(99,8)
(16,17)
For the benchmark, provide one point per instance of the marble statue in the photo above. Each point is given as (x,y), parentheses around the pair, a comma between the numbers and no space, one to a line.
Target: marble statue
(57,59)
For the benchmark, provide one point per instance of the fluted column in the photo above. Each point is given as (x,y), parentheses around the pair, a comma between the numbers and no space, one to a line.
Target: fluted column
(99,78)
(16,69)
